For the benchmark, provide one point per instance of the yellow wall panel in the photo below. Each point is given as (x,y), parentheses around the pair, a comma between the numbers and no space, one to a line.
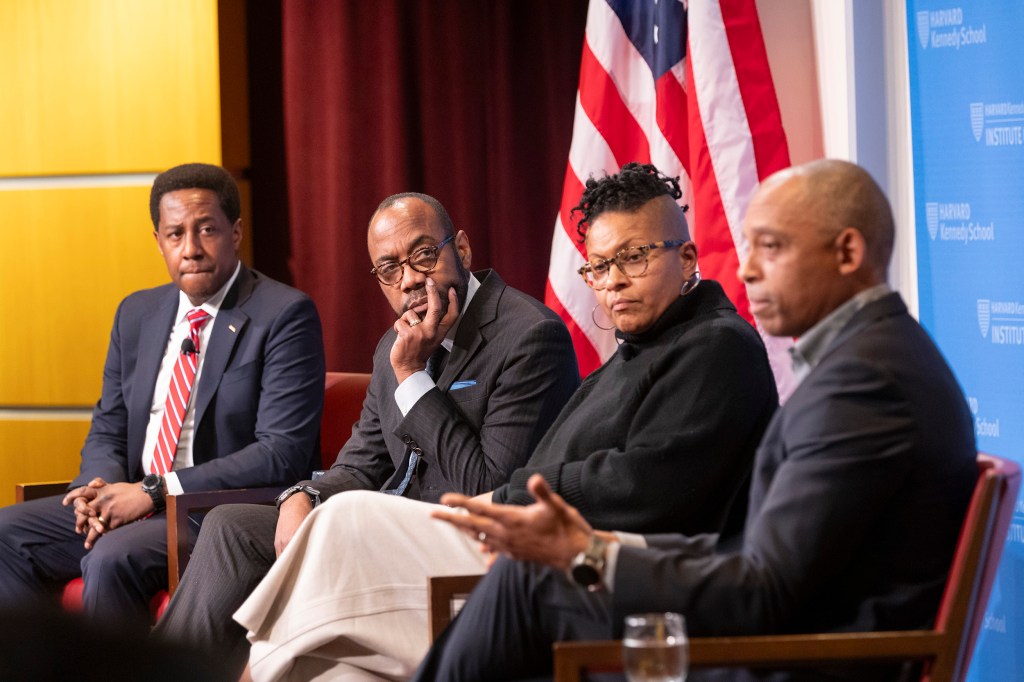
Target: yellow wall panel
(69,257)
(107,86)
(39,451)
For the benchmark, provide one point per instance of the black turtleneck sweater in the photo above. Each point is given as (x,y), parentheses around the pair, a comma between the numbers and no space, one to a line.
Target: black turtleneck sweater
(661,437)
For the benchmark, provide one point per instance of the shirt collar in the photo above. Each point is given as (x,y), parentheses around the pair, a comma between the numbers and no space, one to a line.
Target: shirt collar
(212,305)
(809,349)
(449,339)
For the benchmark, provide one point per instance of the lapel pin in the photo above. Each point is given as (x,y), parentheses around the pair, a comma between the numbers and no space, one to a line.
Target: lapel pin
(232,328)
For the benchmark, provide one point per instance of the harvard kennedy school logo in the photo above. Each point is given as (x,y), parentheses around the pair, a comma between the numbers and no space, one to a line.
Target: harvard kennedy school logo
(931,212)
(923,29)
(984,316)
(977,119)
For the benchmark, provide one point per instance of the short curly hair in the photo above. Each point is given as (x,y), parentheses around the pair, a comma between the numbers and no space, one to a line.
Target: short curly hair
(196,176)
(627,190)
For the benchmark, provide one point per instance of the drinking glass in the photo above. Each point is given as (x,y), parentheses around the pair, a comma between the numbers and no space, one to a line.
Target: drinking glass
(655,648)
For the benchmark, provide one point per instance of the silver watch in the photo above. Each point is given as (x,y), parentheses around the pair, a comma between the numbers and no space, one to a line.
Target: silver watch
(313,493)
(587,567)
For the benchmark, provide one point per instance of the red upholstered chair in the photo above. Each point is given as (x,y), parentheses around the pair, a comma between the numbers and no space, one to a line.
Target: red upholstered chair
(343,401)
(945,650)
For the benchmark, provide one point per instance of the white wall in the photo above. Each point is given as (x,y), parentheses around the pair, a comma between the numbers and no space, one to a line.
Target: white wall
(840,71)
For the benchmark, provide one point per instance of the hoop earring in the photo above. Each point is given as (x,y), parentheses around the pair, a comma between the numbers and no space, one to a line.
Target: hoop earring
(593,316)
(690,284)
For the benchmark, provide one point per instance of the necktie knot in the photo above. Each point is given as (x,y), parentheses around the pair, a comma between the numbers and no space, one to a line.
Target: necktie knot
(197,317)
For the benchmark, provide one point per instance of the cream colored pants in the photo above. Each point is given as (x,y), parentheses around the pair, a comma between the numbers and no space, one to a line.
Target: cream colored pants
(347,600)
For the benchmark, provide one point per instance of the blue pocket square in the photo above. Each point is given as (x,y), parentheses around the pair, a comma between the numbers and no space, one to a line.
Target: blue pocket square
(462,384)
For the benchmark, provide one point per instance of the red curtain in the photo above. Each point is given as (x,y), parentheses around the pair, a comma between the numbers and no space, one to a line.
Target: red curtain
(470,101)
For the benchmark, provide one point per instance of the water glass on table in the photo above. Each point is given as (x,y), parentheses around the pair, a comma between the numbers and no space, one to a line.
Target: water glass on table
(655,648)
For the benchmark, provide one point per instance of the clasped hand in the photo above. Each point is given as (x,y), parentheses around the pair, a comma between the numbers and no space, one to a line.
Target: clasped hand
(101,507)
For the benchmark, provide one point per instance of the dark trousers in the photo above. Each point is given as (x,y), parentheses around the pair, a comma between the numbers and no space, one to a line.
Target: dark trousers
(40,551)
(234,552)
(508,626)
(506,629)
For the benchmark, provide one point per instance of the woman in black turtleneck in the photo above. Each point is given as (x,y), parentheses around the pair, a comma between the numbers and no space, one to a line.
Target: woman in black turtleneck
(661,437)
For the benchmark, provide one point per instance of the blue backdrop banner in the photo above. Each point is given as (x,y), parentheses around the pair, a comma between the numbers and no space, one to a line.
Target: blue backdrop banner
(967,116)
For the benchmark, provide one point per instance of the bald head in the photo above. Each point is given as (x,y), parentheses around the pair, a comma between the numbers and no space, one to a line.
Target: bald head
(417,202)
(819,234)
(835,195)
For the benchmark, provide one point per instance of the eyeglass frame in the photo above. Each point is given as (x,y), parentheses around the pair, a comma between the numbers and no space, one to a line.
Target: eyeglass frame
(436,248)
(588,267)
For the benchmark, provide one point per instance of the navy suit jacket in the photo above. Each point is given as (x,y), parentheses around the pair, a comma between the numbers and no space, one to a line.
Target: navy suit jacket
(258,401)
(859,490)
(511,369)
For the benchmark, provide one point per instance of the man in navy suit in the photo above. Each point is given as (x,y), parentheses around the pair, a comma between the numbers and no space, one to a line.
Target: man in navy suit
(251,412)
(859,487)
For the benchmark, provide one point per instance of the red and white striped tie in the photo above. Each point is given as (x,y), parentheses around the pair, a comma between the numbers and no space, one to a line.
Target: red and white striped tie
(177,397)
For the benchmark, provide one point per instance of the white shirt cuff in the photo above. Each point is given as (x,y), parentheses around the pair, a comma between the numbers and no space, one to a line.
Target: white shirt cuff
(173,484)
(412,389)
(611,559)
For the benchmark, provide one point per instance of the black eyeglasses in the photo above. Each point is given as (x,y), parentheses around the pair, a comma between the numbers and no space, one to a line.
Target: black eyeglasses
(421,260)
(632,262)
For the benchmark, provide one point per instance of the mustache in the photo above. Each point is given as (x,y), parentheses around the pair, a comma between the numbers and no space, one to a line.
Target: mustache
(414,299)
(419,297)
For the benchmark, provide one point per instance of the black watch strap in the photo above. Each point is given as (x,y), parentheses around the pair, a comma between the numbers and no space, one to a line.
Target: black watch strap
(153,485)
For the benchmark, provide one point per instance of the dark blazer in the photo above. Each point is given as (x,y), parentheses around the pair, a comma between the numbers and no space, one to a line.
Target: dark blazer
(518,357)
(258,401)
(860,487)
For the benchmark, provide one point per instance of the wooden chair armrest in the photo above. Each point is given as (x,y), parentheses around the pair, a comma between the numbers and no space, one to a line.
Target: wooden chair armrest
(771,651)
(442,591)
(180,506)
(572,658)
(23,492)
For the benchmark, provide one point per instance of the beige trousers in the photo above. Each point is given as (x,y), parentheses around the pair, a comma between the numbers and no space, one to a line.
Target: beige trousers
(347,599)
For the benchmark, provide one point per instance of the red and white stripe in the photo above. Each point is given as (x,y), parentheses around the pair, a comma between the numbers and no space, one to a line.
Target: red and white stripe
(713,120)
(178,394)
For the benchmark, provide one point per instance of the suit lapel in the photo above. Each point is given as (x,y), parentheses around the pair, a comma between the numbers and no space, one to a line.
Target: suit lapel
(227,329)
(154,329)
(471,336)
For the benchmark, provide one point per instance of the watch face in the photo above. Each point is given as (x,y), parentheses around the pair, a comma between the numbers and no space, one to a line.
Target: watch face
(150,481)
(585,574)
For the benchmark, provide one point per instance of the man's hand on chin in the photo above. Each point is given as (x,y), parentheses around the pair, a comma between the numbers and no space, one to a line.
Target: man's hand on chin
(419,338)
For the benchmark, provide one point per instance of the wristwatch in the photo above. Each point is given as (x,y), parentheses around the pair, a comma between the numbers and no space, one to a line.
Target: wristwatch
(153,485)
(587,567)
(313,493)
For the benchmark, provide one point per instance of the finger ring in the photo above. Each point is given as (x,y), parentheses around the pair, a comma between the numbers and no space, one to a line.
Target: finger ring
(481,536)
(103,521)
(415,321)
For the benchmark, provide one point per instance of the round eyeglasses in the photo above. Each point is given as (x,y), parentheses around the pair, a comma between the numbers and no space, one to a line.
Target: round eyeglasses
(422,260)
(632,262)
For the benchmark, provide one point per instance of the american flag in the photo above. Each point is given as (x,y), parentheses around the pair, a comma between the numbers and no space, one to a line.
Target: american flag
(685,86)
